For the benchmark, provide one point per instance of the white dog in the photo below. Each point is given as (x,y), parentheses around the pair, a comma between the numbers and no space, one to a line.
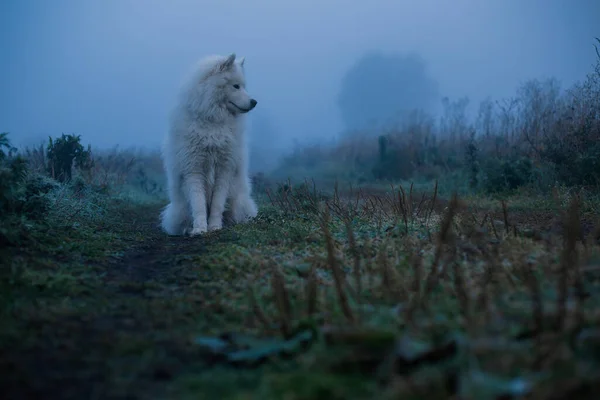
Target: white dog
(205,154)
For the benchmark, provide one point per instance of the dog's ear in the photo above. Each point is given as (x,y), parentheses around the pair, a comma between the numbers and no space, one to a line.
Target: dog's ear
(228,63)
(241,60)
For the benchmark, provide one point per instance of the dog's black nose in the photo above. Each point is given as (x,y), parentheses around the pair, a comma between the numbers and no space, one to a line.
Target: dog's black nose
(253,103)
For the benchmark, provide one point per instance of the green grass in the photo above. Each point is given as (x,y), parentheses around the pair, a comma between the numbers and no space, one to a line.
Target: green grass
(105,304)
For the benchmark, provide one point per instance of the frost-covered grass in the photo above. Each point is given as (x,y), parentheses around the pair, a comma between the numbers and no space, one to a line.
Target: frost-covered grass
(407,299)
(371,292)
(376,291)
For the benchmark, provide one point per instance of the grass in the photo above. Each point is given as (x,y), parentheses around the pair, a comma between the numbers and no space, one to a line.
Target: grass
(387,292)
(333,291)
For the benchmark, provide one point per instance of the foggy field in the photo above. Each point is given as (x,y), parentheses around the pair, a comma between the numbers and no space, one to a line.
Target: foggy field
(406,291)
(428,193)
(414,264)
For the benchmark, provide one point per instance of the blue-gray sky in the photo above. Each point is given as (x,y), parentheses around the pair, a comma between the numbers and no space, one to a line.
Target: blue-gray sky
(109,69)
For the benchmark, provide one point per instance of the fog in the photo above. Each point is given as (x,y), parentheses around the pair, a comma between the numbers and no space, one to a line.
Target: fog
(109,70)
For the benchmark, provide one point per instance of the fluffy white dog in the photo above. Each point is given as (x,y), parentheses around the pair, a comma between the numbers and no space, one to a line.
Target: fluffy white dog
(205,154)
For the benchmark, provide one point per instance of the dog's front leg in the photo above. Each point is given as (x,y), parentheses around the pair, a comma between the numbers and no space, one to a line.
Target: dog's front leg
(197,197)
(218,200)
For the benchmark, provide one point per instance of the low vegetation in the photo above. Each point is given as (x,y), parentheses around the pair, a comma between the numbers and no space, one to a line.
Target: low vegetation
(461,262)
(539,138)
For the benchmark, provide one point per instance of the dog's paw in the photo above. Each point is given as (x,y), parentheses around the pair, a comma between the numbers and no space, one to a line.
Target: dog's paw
(215,227)
(215,222)
(196,231)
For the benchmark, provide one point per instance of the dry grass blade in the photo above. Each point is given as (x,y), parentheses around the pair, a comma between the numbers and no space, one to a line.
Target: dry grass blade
(420,205)
(338,275)
(418,273)
(339,209)
(409,204)
(533,285)
(417,263)
(258,312)
(312,197)
(484,220)
(460,289)
(505,215)
(312,291)
(268,193)
(387,280)
(433,199)
(442,239)
(282,299)
(569,261)
(355,257)
(488,278)
(402,206)
(491,221)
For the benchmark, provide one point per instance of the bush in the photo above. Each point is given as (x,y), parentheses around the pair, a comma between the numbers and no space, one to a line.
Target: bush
(63,152)
(18,197)
(13,170)
(506,175)
(390,165)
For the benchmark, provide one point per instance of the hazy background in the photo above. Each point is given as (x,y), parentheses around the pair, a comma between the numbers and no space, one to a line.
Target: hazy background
(109,69)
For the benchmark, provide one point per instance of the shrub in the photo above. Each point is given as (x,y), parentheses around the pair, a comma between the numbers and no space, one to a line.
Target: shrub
(15,195)
(506,175)
(13,170)
(65,151)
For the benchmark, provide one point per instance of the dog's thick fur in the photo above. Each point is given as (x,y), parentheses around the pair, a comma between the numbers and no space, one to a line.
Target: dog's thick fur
(205,154)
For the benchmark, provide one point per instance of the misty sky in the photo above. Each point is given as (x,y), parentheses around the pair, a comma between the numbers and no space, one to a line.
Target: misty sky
(109,69)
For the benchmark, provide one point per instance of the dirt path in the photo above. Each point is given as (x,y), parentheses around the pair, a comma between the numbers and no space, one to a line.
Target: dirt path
(125,335)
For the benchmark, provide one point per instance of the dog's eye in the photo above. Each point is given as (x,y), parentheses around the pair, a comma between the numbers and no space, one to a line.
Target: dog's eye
(236,86)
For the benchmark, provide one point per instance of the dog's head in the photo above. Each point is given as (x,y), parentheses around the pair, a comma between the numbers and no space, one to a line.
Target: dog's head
(230,85)
(216,88)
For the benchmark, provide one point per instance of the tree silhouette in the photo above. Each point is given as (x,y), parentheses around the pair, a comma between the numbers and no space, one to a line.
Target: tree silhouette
(379,87)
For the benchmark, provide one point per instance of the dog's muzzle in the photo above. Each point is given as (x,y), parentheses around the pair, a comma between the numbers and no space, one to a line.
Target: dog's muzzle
(253,104)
